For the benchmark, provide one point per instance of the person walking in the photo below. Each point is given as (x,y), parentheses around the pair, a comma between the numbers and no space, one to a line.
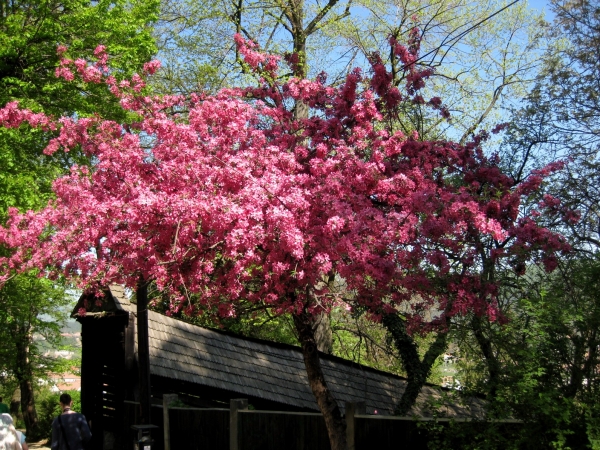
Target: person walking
(4,407)
(70,430)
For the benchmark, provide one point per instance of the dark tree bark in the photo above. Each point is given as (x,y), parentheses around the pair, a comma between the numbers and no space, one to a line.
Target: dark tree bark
(336,425)
(492,363)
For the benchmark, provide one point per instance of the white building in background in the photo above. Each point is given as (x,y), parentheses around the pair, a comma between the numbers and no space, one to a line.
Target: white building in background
(64,382)
(69,381)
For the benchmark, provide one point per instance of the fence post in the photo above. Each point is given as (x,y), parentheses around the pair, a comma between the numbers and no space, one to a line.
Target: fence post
(167,400)
(235,405)
(352,409)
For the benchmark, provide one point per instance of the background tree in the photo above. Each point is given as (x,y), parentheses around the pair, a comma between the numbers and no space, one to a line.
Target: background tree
(547,355)
(482,65)
(31,306)
(560,118)
(487,61)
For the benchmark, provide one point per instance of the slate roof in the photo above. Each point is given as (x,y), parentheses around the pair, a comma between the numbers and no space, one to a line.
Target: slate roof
(275,372)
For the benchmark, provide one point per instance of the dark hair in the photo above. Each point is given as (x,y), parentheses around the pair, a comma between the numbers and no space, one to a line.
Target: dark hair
(65,399)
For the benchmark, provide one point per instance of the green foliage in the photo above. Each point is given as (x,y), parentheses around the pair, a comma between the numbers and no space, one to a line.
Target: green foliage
(177,404)
(364,341)
(29,35)
(475,435)
(25,179)
(49,408)
(248,321)
(262,325)
(549,356)
(30,31)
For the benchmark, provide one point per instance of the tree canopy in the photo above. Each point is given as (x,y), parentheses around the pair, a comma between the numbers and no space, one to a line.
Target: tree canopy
(545,359)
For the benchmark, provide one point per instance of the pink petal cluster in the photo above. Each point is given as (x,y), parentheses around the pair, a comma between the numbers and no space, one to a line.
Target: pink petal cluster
(414,74)
(258,61)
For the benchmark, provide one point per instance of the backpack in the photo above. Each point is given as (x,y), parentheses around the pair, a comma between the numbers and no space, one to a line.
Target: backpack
(8,437)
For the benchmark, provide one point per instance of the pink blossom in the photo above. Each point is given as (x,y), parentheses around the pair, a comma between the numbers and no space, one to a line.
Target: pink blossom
(151,67)
(240,201)
(80,65)
(64,72)
(99,50)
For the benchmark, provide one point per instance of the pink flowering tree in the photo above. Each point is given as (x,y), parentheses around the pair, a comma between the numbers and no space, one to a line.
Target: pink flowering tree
(234,197)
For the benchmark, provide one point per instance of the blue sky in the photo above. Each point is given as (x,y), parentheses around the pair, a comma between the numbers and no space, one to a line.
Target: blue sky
(542,5)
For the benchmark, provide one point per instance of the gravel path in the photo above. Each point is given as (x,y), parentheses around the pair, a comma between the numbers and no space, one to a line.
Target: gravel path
(42,445)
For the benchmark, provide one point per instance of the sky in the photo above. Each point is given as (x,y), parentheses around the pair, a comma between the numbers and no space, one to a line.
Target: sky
(542,5)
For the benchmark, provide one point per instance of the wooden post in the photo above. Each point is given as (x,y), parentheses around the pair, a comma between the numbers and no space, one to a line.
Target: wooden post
(130,367)
(352,409)
(143,351)
(167,400)
(234,406)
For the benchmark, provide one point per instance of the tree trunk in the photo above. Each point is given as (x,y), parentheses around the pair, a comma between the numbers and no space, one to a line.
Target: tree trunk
(24,375)
(301,110)
(417,371)
(323,333)
(493,366)
(336,425)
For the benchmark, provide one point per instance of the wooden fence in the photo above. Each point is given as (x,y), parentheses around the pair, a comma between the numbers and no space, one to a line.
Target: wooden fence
(238,428)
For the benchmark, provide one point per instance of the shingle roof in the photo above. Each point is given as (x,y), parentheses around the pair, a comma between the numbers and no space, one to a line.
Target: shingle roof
(275,372)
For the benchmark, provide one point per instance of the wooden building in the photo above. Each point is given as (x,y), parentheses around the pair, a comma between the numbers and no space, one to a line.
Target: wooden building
(208,368)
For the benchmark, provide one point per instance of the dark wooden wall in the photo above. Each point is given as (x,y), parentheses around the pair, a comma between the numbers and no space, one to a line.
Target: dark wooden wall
(108,394)
(105,379)
(199,430)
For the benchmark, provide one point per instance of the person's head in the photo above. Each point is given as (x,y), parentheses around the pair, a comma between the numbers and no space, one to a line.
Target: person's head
(0,399)
(65,400)
(6,419)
